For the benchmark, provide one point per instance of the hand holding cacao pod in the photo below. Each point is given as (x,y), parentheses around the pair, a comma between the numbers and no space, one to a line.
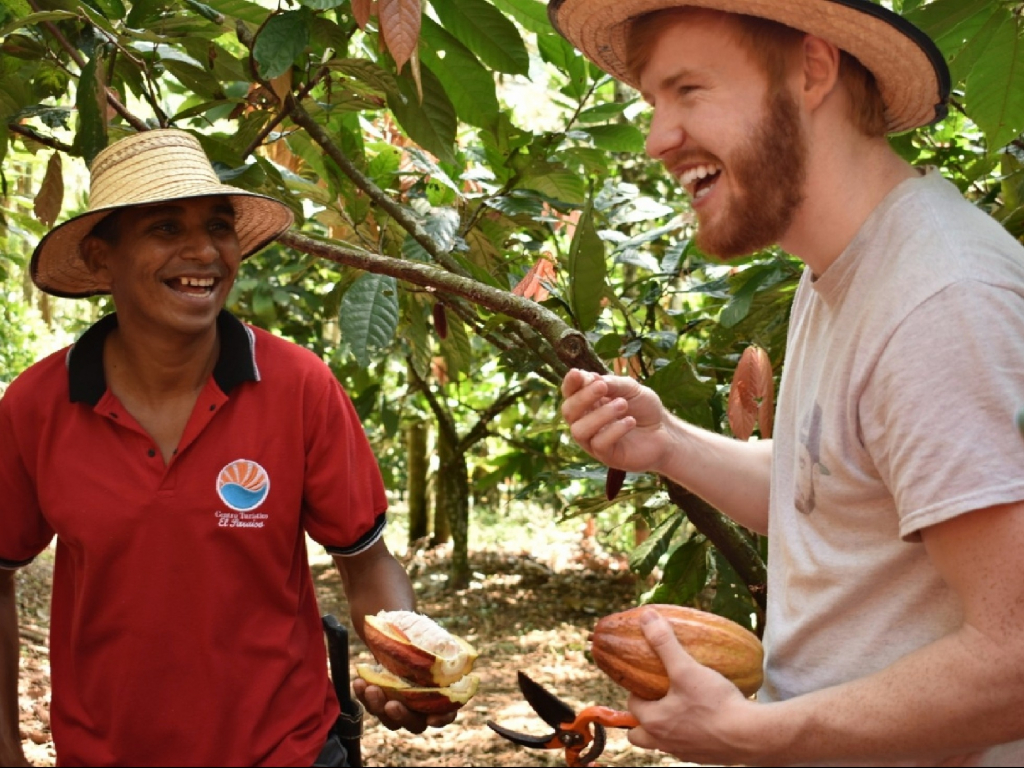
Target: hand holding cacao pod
(420,663)
(622,652)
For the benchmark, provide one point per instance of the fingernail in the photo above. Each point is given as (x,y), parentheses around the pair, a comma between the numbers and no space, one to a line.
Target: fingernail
(648,616)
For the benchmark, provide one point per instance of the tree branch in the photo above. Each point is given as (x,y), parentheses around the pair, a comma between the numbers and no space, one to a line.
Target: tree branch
(46,141)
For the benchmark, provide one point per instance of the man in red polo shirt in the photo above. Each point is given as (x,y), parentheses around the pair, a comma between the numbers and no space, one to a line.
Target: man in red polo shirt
(180,457)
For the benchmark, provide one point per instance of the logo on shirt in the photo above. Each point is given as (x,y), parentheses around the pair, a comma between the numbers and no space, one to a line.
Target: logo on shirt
(243,485)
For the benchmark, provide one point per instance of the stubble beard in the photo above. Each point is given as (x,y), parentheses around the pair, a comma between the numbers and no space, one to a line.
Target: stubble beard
(767,175)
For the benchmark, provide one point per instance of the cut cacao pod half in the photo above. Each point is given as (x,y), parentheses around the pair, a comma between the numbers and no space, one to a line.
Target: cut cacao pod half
(622,652)
(427,701)
(416,648)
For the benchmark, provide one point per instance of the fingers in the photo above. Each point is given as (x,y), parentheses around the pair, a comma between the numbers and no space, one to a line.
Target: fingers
(661,637)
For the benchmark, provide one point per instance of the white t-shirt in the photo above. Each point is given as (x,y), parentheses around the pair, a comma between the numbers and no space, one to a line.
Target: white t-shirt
(904,372)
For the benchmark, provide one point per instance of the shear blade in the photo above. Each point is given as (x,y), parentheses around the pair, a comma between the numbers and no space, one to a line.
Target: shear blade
(551,709)
(522,739)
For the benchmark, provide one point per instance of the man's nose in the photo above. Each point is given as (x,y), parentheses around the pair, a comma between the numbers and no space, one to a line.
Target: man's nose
(666,135)
(200,245)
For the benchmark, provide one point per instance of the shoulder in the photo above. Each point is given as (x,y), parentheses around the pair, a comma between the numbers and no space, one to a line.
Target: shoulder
(40,381)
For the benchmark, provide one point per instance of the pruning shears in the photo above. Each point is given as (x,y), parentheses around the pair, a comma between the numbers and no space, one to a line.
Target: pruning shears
(572,732)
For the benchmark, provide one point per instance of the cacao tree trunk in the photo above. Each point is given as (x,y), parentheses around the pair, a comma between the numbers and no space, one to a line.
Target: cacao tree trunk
(416,490)
(442,532)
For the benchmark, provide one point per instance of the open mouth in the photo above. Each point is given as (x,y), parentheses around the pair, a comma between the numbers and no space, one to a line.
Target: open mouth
(700,180)
(193,286)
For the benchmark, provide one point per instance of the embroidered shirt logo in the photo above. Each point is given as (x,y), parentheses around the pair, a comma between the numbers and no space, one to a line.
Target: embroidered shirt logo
(243,485)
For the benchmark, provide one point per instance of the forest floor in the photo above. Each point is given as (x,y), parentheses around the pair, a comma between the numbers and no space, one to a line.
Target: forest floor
(524,610)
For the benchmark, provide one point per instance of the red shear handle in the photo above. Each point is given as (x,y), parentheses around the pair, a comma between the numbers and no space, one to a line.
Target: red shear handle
(606,716)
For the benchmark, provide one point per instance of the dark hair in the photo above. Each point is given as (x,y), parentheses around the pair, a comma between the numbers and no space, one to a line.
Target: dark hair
(769,42)
(108,229)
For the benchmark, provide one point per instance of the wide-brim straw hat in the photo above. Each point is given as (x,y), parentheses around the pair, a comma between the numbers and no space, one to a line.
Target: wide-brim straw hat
(144,169)
(911,72)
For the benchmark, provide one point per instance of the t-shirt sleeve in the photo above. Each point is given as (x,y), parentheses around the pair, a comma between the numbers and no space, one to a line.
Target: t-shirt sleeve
(344,502)
(24,532)
(940,411)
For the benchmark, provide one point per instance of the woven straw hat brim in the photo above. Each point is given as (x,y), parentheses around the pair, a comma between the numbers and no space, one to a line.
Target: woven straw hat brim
(911,72)
(58,268)
(148,168)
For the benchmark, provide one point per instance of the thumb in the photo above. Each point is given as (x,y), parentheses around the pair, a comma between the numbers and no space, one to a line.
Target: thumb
(662,639)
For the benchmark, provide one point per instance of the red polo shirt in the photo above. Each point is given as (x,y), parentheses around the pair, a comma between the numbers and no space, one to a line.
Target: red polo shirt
(184,625)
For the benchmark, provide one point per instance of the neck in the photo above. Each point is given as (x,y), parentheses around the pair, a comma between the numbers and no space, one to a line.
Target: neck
(159,369)
(848,176)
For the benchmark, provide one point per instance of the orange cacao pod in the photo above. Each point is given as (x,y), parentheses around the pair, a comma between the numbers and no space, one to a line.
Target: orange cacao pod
(622,652)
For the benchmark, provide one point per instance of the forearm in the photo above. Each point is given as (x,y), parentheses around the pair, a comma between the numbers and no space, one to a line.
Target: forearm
(733,476)
(957,695)
(374,582)
(10,738)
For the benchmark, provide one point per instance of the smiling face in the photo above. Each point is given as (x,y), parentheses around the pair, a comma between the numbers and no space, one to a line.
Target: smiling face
(169,266)
(733,141)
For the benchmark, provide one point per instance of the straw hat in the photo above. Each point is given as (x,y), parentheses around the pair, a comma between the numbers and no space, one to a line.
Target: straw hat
(909,68)
(148,167)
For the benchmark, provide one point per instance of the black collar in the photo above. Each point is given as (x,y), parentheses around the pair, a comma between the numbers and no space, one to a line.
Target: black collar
(236,363)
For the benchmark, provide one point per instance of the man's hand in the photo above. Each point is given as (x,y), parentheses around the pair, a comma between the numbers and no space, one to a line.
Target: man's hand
(616,420)
(702,713)
(394,714)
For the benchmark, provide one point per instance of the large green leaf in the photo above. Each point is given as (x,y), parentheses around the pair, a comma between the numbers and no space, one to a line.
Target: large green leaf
(456,348)
(686,574)
(486,32)
(431,124)
(948,22)
(555,50)
(587,271)
(557,184)
(369,315)
(91,136)
(643,559)
(35,18)
(995,86)
(683,393)
(732,598)
(282,39)
(469,84)
(240,9)
(531,14)
(617,137)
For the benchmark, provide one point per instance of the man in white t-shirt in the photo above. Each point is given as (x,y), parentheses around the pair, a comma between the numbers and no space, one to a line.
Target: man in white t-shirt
(893,492)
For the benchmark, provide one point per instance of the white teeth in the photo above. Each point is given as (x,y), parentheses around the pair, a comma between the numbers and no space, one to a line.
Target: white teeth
(197,282)
(692,175)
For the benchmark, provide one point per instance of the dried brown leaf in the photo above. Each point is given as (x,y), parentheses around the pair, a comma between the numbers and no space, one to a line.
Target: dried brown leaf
(51,194)
(400,28)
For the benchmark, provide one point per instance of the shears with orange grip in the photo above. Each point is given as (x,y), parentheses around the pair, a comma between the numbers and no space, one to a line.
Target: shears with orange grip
(582,735)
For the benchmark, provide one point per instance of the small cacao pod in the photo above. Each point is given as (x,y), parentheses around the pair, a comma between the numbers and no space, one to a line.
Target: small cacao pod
(622,652)
(613,483)
(426,700)
(440,321)
(414,647)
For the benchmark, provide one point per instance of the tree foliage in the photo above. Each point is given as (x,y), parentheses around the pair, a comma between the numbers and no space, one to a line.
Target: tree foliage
(458,154)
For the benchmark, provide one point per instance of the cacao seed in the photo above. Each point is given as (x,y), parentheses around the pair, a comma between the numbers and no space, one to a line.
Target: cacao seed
(622,652)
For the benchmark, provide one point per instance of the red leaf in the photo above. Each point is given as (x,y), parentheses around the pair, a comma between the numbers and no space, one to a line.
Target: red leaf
(532,285)
(361,11)
(400,27)
(752,397)
(742,410)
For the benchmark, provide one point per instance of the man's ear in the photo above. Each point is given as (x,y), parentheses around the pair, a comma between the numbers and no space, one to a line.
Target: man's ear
(820,71)
(95,253)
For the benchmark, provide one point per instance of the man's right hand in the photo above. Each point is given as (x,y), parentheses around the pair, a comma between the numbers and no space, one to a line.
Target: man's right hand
(616,420)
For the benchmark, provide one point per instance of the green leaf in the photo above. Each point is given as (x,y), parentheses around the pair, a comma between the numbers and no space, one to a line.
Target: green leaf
(240,9)
(91,136)
(995,87)
(416,337)
(683,393)
(603,112)
(17,7)
(732,598)
(369,315)
(587,271)
(456,349)
(35,18)
(555,50)
(365,71)
(532,15)
(263,304)
(195,79)
(686,574)
(431,124)
(617,137)
(322,5)
(486,32)
(282,39)
(942,19)
(558,184)
(643,559)
(469,85)
(739,305)
(974,44)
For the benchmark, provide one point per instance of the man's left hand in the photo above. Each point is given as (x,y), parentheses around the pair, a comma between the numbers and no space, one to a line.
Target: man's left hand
(394,714)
